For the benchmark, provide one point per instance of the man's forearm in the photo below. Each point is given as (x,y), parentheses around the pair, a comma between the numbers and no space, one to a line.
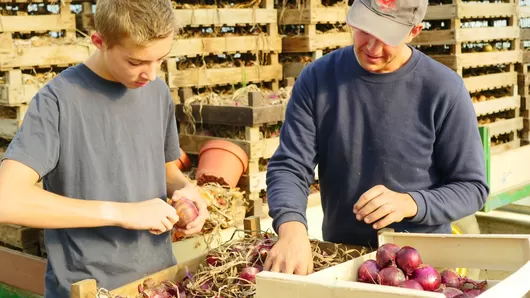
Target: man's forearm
(35,207)
(449,203)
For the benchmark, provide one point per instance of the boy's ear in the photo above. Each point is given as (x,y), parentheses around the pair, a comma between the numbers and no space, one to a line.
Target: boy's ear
(97,40)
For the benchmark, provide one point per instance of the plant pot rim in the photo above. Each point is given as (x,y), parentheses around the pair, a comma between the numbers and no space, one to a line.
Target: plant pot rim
(227,146)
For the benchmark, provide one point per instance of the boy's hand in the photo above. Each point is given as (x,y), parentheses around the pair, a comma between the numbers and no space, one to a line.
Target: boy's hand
(153,215)
(192,193)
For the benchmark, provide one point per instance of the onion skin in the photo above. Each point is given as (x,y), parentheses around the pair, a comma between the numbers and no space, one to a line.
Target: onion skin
(391,276)
(411,284)
(369,272)
(449,292)
(386,255)
(428,277)
(408,259)
(186,210)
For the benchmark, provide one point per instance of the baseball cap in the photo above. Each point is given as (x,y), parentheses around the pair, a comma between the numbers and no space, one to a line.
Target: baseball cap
(389,20)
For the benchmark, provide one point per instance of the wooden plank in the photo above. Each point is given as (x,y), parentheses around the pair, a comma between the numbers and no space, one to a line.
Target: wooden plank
(524,11)
(465,60)
(460,35)
(497,105)
(23,271)
(38,23)
(312,15)
(232,115)
(504,126)
(225,16)
(47,55)
(299,44)
(470,10)
(525,34)
(491,81)
(192,47)
(264,148)
(224,76)
(506,170)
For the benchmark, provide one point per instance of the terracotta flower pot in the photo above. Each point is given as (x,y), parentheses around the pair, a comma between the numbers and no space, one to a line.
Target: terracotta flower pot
(183,163)
(221,161)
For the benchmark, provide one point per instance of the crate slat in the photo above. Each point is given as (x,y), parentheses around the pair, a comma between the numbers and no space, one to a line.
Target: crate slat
(225,16)
(491,81)
(192,47)
(312,43)
(497,105)
(470,10)
(313,15)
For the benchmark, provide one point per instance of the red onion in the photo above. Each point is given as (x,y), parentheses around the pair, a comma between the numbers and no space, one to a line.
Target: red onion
(391,276)
(452,279)
(449,292)
(249,274)
(213,260)
(386,255)
(408,259)
(369,272)
(472,292)
(411,284)
(428,277)
(464,295)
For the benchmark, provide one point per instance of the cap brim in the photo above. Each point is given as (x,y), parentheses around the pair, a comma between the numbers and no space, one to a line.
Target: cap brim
(386,30)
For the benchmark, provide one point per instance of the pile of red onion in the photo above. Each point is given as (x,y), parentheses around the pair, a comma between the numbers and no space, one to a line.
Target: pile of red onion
(403,267)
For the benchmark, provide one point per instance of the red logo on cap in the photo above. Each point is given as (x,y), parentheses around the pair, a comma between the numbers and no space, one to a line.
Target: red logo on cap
(387,5)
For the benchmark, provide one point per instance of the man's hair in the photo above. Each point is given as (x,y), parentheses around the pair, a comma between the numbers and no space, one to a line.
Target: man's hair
(140,20)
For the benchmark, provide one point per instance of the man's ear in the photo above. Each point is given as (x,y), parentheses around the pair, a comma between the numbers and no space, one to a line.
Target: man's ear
(414,32)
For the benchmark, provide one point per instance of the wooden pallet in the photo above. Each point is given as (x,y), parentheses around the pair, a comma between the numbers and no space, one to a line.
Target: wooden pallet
(293,69)
(263,16)
(200,77)
(492,81)
(11,119)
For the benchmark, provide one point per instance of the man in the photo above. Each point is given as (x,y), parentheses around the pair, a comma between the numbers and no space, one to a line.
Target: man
(102,136)
(394,134)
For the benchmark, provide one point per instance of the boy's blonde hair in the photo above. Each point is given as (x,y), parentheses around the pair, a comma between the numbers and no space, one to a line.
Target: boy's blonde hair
(140,20)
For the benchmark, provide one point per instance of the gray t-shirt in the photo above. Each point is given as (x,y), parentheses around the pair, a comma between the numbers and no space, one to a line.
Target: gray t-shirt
(93,139)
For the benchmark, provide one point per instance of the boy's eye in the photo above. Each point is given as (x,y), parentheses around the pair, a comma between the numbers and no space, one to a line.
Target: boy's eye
(134,63)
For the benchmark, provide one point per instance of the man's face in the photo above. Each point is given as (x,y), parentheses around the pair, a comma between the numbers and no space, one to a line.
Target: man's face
(135,65)
(376,56)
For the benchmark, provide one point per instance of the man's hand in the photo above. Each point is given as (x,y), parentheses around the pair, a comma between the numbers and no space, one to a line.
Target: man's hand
(154,215)
(191,193)
(292,252)
(382,206)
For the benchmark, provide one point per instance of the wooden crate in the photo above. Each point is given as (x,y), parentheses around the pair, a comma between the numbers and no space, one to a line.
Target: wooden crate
(510,253)
(294,63)
(222,76)
(15,91)
(42,56)
(23,271)
(312,41)
(20,238)
(506,172)
(63,21)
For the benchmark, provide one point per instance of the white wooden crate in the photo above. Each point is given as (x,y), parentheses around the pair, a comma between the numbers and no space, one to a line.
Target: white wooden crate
(489,252)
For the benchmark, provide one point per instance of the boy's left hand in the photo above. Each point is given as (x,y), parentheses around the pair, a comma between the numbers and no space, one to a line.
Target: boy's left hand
(192,193)
(381,206)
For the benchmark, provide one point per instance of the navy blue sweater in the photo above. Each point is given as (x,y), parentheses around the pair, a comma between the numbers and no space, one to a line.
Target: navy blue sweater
(413,130)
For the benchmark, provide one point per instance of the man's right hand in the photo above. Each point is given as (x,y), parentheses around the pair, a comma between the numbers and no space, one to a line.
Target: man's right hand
(154,215)
(292,252)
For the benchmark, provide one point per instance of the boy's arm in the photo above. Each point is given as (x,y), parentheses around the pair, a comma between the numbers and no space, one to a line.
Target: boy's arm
(32,154)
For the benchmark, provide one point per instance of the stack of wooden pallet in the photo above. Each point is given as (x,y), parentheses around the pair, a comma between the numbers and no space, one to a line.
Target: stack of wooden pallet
(311,28)
(524,70)
(84,15)
(225,77)
(37,41)
(480,41)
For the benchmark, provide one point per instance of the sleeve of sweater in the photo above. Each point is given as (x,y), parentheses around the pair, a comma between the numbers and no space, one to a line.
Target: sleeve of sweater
(459,157)
(291,169)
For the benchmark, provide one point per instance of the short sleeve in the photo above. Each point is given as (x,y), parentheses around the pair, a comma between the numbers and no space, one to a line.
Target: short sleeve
(172,145)
(37,143)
